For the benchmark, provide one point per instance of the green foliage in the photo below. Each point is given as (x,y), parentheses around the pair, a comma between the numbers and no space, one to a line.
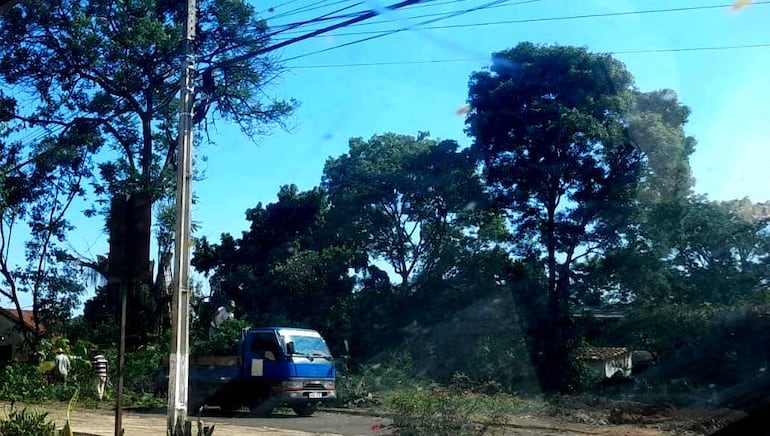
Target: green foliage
(142,368)
(442,413)
(23,382)
(391,188)
(423,412)
(286,270)
(143,399)
(484,341)
(27,422)
(579,158)
(726,340)
(224,341)
(30,383)
(365,386)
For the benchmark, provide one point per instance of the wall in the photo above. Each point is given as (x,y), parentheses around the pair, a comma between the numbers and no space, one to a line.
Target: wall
(10,337)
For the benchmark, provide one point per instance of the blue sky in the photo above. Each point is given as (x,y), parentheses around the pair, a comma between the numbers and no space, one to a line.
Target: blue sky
(727,91)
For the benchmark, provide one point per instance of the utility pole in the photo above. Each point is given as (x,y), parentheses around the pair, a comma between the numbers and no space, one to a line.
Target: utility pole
(180,321)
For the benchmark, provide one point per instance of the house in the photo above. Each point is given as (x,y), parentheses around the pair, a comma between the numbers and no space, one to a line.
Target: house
(11,338)
(605,362)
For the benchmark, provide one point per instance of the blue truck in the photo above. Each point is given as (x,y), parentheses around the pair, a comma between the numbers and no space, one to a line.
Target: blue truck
(275,367)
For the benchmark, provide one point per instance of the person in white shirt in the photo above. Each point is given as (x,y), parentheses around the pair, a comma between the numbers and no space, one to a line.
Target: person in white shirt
(62,365)
(221,315)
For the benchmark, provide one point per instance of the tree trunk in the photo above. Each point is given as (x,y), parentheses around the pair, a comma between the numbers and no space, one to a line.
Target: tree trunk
(551,329)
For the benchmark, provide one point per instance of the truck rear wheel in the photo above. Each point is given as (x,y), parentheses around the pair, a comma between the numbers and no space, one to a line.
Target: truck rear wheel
(229,406)
(305,409)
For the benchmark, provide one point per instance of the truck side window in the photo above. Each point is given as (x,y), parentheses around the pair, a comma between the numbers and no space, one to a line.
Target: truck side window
(262,343)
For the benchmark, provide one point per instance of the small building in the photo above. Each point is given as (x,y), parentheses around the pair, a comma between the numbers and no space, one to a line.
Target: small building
(605,362)
(11,337)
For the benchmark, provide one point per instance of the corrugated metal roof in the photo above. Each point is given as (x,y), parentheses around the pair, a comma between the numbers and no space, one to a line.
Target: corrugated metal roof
(600,353)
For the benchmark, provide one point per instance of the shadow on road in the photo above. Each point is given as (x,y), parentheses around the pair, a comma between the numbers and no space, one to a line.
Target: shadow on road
(217,413)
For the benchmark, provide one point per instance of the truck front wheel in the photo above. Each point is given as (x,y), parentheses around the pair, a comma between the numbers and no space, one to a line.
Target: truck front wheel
(262,407)
(305,409)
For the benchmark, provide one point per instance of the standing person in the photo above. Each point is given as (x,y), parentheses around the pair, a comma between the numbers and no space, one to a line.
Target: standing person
(100,373)
(221,315)
(62,365)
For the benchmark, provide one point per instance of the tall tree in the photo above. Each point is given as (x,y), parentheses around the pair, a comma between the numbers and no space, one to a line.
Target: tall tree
(549,125)
(399,197)
(112,68)
(39,184)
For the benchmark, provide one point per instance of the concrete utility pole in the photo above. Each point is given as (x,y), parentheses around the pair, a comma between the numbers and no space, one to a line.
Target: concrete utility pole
(180,320)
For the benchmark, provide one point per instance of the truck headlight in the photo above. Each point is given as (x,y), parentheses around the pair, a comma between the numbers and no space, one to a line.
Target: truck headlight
(328,385)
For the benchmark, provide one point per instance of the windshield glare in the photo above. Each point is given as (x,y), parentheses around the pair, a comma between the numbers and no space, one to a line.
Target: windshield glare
(308,346)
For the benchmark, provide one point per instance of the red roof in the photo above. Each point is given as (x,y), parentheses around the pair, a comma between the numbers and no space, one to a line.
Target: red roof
(27,316)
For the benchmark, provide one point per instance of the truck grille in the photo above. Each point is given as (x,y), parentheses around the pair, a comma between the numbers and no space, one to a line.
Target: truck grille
(314,385)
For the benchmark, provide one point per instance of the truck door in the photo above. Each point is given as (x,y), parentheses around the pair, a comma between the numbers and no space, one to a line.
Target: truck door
(263,357)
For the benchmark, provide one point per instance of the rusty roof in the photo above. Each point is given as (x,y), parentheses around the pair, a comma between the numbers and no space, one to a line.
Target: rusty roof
(600,353)
(27,317)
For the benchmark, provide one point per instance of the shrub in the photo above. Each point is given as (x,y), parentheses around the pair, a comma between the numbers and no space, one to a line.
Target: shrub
(431,412)
(365,386)
(22,382)
(27,422)
(141,368)
(438,411)
(464,383)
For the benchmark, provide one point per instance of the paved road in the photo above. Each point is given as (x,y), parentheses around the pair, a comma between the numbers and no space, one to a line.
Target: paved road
(320,423)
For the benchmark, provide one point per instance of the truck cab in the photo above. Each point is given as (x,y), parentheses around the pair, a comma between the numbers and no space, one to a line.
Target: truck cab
(293,365)
(275,367)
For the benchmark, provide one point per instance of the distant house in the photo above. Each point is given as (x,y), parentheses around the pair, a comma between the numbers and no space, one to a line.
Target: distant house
(605,362)
(11,337)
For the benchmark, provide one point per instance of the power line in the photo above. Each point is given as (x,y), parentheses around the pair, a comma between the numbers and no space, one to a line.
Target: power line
(307,8)
(371,64)
(311,21)
(365,16)
(478,59)
(413,17)
(427,4)
(686,49)
(272,8)
(380,35)
(558,18)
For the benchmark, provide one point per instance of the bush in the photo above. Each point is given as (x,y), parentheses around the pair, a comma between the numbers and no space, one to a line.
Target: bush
(365,386)
(423,412)
(25,422)
(23,382)
(438,412)
(141,368)
(464,383)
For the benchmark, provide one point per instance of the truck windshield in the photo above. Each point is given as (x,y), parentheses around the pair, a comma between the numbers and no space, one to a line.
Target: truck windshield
(308,346)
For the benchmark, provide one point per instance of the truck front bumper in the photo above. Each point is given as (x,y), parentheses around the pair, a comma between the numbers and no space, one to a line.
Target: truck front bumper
(304,396)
